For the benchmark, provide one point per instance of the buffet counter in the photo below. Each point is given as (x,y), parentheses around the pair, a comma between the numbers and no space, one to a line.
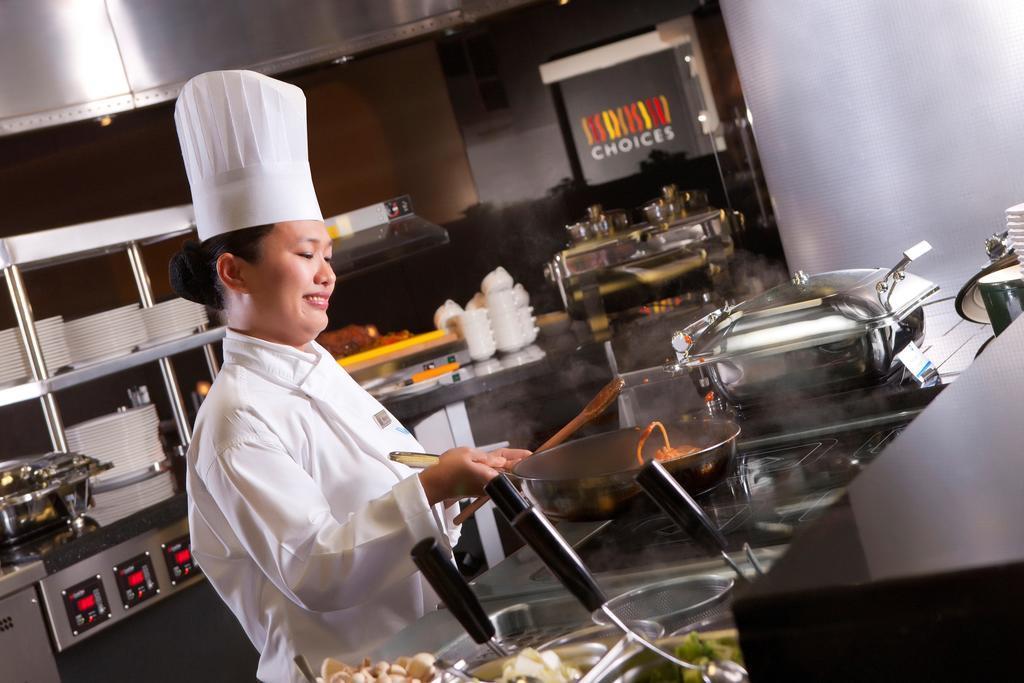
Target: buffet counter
(790,467)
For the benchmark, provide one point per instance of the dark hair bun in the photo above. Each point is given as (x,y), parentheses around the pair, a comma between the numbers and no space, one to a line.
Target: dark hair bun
(192,276)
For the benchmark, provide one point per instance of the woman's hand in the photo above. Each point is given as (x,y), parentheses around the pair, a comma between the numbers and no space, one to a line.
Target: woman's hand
(463,472)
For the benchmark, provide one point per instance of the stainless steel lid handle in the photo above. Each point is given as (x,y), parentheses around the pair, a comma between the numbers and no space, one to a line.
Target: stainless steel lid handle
(896,273)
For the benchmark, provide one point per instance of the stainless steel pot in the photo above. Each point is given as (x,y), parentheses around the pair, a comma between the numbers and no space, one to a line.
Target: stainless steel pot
(816,334)
(40,492)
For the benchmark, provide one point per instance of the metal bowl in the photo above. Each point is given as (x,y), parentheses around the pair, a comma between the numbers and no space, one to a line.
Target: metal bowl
(674,603)
(543,624)
(636,664)
(583,656)
(592,479)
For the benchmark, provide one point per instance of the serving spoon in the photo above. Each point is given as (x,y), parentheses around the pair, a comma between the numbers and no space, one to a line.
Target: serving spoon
(658,483)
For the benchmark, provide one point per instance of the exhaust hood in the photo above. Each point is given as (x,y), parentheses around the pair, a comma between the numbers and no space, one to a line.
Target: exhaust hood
(379,234)
(66,61)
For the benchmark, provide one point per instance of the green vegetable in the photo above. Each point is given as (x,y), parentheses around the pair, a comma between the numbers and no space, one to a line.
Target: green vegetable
(699,651)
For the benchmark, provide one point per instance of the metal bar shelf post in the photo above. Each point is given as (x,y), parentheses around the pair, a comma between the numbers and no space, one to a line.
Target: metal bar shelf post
(166,367)
(34,352)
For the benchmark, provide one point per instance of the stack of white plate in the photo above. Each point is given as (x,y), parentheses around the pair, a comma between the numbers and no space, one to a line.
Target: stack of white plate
(105,335)
(119,503)
(1015,231)
(14,366)
(130,439)
(54,343)
(172,319)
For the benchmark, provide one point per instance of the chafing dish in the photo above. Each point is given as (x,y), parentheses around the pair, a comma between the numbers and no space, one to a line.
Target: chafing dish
(674,205)
(641,264)
(43,491)
(816,334)
(598,223)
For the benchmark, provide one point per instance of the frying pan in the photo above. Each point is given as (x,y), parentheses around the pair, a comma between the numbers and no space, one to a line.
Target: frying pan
(594,478)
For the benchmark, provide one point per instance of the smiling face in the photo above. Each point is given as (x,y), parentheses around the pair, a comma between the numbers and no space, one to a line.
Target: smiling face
(282,297)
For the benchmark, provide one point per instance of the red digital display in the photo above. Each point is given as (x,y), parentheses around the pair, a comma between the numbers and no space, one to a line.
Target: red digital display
(86,603)
(135,579)
(181,563)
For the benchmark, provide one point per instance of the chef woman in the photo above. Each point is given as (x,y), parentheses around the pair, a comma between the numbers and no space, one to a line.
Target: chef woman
(297,516)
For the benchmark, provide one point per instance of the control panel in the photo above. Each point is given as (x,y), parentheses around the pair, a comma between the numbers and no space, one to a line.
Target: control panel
(136,580)
(86,605)
(178,556)
(398,207)
(96,592)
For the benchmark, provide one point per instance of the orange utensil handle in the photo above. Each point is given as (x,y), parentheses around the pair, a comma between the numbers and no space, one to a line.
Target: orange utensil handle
(434,372)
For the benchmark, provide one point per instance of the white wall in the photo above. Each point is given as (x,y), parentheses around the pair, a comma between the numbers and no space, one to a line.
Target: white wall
(882,122)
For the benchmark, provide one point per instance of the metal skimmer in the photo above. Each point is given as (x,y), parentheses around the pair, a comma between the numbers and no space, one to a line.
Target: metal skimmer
(673,603)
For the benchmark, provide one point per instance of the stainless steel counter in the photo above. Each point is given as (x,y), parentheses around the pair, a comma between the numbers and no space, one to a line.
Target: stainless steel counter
(526,608)
(14,578)
(792,463)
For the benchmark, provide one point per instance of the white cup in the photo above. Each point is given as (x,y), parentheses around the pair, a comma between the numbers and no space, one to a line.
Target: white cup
(501,300)
(508,330)
(528,325)
(443,317)
(520,295)
(495,280)
(475,327)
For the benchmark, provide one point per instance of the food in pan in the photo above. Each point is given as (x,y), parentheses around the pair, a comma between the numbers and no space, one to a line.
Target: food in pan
(353,339)
(545,667)
(666,452)
(417,669)
(699,649)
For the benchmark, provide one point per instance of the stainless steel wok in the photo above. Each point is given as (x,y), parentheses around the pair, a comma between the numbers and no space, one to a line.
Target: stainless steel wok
(816,334)
(593,478)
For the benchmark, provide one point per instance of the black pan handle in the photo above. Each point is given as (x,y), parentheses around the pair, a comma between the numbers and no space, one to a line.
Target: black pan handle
(660,485)
(538,533)
(453,590)
(505,496)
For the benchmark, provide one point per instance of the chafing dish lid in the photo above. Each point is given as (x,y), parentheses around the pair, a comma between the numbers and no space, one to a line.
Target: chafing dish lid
(24,475)
(808,310)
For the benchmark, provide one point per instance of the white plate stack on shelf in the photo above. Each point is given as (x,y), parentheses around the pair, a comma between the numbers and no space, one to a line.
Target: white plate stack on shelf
(105,335)
(130,439)
(127,500)
(1015,231)
(14,366)
(172,319)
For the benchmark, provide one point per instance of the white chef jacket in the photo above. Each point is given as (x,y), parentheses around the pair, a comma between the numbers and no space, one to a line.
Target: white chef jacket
(297,516)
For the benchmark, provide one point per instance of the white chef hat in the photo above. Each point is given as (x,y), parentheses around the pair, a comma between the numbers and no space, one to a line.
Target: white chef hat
(243,139)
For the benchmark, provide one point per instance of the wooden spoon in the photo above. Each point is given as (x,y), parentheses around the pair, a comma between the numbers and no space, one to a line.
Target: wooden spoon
(597,405)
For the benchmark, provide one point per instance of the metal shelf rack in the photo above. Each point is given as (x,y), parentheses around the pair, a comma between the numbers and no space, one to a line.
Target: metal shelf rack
(52,247)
